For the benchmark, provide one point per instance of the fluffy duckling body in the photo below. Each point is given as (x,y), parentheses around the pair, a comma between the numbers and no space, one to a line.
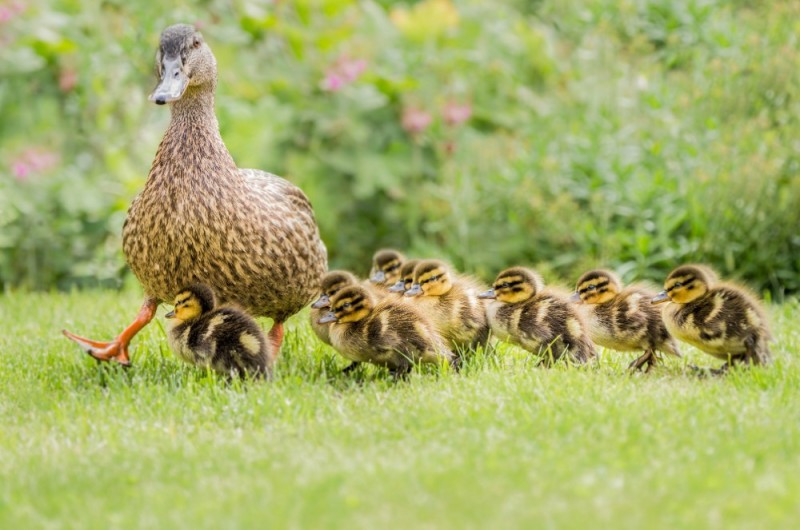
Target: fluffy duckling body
(385,333)
(623,319)
(452,302)
(225,339)
(250,235)
(721,319)
(540,320)
(385,269)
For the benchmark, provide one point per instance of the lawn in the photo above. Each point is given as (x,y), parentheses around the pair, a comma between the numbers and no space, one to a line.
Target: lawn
(501,445)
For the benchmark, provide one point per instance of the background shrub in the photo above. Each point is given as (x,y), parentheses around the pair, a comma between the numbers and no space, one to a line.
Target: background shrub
(562,134)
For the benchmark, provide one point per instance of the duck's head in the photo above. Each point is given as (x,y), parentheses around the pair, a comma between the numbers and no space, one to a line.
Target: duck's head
(686,283)
(406,277)
(514,285)
(332,283)
(183,60)
(386,265)
(596,287)
(431,278)
(191,302)
(351,304)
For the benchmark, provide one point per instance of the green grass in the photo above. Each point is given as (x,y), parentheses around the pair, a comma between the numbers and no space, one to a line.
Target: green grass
(502,445)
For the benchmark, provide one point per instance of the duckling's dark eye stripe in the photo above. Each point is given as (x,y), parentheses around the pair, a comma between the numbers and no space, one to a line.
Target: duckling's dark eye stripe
(431,279)
(508,285)
(391,268)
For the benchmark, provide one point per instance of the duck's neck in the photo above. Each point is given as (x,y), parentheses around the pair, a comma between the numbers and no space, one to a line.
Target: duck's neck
(192,149)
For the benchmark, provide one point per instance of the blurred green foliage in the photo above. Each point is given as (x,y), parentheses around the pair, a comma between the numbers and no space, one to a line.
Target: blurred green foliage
(635,134)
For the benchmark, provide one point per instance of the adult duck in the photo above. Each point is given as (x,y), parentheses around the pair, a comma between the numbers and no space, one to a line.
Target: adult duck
(249,235)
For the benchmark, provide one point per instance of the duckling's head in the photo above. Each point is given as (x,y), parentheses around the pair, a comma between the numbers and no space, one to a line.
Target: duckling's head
(686,283)
(332,283)
(386,265)
(597,287)
(431,278)
(350,304)
(183,60)
(406,277)
(191,302)
(514,285)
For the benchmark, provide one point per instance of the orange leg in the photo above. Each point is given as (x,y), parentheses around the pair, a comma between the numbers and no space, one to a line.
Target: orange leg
(117,349)
(275,337)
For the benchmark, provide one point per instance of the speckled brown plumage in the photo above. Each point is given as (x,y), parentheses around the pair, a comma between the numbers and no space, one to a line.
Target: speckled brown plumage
(250,235)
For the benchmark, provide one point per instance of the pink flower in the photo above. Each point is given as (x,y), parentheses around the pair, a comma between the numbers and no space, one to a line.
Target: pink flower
(11,10)
(332,82)
(415,120)
(67,79)
(351,69)
(33,160)
(5,14)
(342,73)
(456,113)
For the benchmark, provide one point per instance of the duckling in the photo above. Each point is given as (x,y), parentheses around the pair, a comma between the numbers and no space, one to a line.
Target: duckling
(623,319)
(223,338)
(721,319)
(540,320)
(452,303)
(332,283)
(406,279)
(249,235)
(386,265)
(385,333)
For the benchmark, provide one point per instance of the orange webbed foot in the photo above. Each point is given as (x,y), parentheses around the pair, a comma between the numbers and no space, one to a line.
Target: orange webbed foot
(114,350)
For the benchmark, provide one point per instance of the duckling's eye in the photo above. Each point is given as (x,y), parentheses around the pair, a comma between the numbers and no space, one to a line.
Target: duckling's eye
(505,285)
(591,287)
(348,305)
(677,284)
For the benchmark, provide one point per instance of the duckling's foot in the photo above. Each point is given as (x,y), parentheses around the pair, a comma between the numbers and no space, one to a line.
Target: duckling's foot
(275,337)
(117,349)
(349,368)
(644,362)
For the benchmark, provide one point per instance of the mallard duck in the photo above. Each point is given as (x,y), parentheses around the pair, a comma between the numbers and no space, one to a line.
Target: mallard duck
(223,338)
(386,265)
(452,302)
(540,320)
(406,279)
(623,319)
(248,234)
(386,333)
(721,319)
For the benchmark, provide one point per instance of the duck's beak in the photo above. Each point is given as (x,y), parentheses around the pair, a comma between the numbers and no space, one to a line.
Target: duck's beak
(327,317)
(322,301)
(171,314)
(399,287)
(173,83)
(488,294)
(660,297)
(415,290)
(575,298)
(378,277)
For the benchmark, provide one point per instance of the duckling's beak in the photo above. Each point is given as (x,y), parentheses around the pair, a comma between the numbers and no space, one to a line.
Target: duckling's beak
(399,287)
(576,298)
(660,298)
(327,317)
(322,301)
(488,294)
(378,277)
(171,314)
(415,290)
(173,83)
